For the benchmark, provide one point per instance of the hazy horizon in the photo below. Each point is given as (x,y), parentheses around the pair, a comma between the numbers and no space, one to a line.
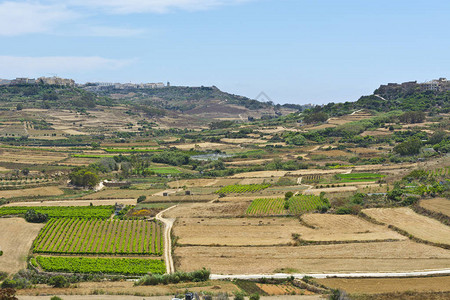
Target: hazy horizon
(294,51)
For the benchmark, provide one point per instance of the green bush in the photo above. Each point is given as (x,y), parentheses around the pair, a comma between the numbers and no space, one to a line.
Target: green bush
(55,298)
(254,296)
(238,296)
(58,281)
(141,199)
(35,217)
(155,279)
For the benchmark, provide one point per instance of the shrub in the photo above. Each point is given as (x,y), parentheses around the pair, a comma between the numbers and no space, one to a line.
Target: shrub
(58,281)
(8,283)
(288,195)
(55,298)
(35,217)
(1,252)
(141,199)
(3,275)
(254,296)
(155,279)
(238,296)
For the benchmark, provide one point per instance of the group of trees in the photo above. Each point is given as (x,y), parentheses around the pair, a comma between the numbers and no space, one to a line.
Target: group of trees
(35,217)
(411,117)
(84,177)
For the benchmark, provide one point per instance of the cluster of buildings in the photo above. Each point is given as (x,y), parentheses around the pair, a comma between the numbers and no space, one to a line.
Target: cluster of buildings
(436,85)
(91,86)
(41,80)
(102,86)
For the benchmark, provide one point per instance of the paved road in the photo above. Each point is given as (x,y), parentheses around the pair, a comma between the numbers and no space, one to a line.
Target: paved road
(342,275)
(168,223)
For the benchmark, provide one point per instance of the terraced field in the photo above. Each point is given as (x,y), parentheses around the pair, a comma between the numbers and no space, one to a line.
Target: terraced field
(440,205)
(406,219)
(95,236)
(296,205)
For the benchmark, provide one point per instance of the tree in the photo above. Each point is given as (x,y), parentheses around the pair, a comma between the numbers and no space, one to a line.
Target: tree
(19,106)
(35,217)
(288,195)
(141,199)
(8,294)
(409,147)
(254,296)
(84,178)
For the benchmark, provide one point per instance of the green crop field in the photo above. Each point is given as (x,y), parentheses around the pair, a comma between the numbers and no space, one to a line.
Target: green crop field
(264,207)
(101,212)
(164,170)
(306,203)
(126,266)
(359,176)
(297,205)
(96,236)
(242,188)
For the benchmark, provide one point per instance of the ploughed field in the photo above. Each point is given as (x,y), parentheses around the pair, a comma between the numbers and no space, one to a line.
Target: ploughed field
(96,236)
(439,205)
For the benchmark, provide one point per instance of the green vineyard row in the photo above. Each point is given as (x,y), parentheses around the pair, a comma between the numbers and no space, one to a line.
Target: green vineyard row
(126,266)
(102,212)
(297,205)
(242,188)
(97,236)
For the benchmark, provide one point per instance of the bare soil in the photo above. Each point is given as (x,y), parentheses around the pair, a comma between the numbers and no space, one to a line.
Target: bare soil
(15,241)
(39,191)
(388,285)
(336,258)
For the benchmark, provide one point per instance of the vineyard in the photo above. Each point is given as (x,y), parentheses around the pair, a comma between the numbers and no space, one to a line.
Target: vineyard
(306,203)
(101,212)
(242,188)
(311,179)
(439,172)
(96,236)
(297,205)
(264,207)
(127,266)
(359,177)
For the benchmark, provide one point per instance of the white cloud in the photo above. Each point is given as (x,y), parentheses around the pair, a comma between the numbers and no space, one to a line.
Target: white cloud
(37,66)
(155,6)
(31,17)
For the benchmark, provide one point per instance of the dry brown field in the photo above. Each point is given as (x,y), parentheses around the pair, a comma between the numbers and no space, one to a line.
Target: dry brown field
(193,183)
(31,157)
(331,153)
(267,174)
(205,146)
(342,189)
(221,209)
(357,257)
(440,205)
(75,202)
(126,288)
(243,141)
(406,219)
(282,289)
(343,228)
(39,191)
(248,162)
(113,193)
(378,132)
(235,232)
(15,242)
(387,285)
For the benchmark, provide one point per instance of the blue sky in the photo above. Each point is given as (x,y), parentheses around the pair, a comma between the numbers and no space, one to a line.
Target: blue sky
(296,51)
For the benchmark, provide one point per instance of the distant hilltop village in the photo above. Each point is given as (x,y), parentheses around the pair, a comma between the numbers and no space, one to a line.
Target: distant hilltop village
(392,89)
(90,86)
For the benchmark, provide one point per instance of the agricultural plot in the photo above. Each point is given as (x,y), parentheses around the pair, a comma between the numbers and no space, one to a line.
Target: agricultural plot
(297,205)
(401,256)
(127,266)
(417,225)
(328,227)
(101,212)
(165,170)
(440,205)
(33,192)
(439,172)
(306,203)
(15,241)
(242,188)
(235,231)
(96,236)
(359,177)
(265,207)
